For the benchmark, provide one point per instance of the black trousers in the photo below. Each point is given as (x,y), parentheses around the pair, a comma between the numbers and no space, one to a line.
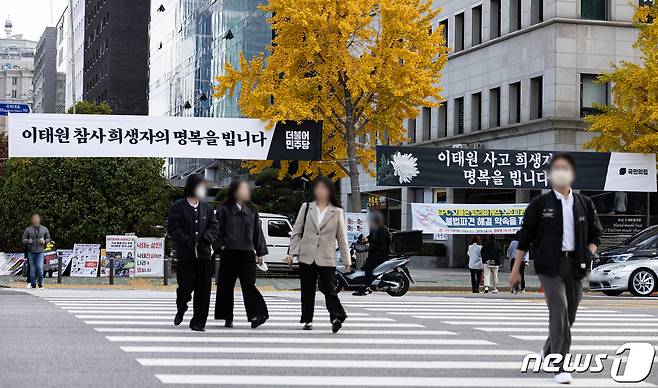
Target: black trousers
(522,272)
(373,261)
(311,275)
(476,275)
(236,264)
(194,277)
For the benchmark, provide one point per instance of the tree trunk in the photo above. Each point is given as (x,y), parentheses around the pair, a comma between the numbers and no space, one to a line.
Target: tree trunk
(352,164)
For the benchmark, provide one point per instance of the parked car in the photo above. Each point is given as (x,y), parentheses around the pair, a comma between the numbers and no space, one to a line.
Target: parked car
(642,245)
(630,266)
(277,231)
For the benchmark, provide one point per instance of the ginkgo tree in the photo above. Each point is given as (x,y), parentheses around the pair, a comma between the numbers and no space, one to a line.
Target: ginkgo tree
(360,66)
(631,122)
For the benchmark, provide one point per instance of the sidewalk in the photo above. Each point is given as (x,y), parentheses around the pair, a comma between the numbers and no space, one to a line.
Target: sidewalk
(426,279)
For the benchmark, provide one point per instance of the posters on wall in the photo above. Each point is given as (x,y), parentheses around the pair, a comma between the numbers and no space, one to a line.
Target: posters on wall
(357,225)
(59,135)
(515,169)
(11,263)
(449,218)
(149,256)
(122,250)
(85,259)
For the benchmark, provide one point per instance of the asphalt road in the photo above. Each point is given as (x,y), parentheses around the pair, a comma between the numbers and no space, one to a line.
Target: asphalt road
(123,338)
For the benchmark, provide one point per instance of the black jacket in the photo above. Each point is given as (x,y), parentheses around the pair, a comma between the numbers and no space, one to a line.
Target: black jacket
(542,233)
(379,244)
(492,251)
(193,231)
(240,229)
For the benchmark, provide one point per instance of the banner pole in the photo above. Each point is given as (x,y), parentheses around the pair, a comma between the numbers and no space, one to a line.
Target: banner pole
(59,269)
(111,270)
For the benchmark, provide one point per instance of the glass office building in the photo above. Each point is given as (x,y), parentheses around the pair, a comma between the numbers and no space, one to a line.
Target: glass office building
(191,42)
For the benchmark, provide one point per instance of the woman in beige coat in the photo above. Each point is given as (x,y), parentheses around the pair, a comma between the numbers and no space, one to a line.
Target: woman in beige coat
(320,225)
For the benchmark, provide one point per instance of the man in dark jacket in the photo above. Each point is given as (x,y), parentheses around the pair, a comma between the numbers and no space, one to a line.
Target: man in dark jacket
(35,238)
(492,253)
(379,248)
(192,226)
(564,231)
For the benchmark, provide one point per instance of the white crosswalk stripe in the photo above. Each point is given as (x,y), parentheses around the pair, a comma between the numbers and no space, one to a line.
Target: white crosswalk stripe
(435,341)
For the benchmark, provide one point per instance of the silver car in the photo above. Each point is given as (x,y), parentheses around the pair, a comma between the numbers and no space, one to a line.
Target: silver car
(637,276)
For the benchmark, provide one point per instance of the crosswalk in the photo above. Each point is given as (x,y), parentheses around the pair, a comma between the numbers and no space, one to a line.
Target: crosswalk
(415,341)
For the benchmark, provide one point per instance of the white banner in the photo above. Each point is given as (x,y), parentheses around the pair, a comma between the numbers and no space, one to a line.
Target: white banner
(149,257)
(85,259)
(452,218)
(122,250)
(60,135)
(357,225)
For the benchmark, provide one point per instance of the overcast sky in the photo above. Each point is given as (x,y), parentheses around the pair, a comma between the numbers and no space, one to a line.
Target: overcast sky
(30,17)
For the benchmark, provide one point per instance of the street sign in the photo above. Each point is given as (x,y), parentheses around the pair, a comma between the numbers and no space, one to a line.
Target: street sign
(6,108)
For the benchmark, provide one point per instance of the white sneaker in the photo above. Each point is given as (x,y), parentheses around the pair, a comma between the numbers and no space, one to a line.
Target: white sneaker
(563,378)
(28,285)
(495,291)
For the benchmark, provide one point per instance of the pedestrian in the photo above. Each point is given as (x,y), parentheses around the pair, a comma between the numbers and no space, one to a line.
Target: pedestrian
(511,254)
(240,244)
(379,247)
(192,227)
(475,263)
(35,237)
(319,227)
(492,254)
(562,231)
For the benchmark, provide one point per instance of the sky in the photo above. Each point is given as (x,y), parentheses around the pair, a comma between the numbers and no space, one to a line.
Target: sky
(30,17)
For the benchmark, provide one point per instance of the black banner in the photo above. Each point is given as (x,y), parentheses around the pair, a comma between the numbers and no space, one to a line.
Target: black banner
(617,228)
(522,169)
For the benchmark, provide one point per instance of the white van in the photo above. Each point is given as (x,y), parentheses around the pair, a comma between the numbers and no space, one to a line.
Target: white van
(277,231)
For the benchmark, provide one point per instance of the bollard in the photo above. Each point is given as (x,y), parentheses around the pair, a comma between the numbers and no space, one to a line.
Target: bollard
(167,270)
(111,270)
(59,269)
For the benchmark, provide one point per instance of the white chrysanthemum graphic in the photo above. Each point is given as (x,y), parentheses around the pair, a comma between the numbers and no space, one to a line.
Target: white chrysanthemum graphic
(405,167)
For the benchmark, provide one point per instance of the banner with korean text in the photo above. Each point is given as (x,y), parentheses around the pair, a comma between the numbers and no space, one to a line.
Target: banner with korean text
(61,135)
(510,169)
(453,218)
(149,257)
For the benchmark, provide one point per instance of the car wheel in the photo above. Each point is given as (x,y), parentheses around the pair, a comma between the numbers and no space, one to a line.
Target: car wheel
(642,282)
(613,292)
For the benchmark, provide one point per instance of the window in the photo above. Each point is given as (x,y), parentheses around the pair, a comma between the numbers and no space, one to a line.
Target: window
(476,111)
(278,228)
(14,94)
(515,103)
(444,30)
(494,108)
(427,123)
(459,32)
(536,11)
(459,115)
(14,81)
(411,128)
(591,94)
(536,98)
(476,25)
(514,15)
(594,9)
(443,119)
(494,19)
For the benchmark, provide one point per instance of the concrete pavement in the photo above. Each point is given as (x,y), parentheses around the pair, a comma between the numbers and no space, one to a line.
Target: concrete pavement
(126,338)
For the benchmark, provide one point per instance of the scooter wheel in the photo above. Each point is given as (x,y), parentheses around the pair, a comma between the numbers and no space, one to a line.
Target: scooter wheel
(402,289)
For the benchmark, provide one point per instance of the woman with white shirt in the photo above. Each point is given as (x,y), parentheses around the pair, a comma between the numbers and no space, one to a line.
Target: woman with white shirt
(475,263)
(319,227)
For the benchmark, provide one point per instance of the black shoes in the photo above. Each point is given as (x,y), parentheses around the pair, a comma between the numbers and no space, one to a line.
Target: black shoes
(362,292)
(308,326)
(257,322)
(179,317)
(228,323)
(197,328)
(336,325)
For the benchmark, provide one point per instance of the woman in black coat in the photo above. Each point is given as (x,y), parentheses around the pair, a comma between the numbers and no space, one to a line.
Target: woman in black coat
(240,244)
(379,247)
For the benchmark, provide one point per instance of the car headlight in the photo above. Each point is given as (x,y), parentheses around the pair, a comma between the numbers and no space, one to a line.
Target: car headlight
(621,258)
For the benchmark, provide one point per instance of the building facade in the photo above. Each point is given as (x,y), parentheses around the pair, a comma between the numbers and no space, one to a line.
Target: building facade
(190,44)
(70,50)
(116,54)
(520,76)
(46,80)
